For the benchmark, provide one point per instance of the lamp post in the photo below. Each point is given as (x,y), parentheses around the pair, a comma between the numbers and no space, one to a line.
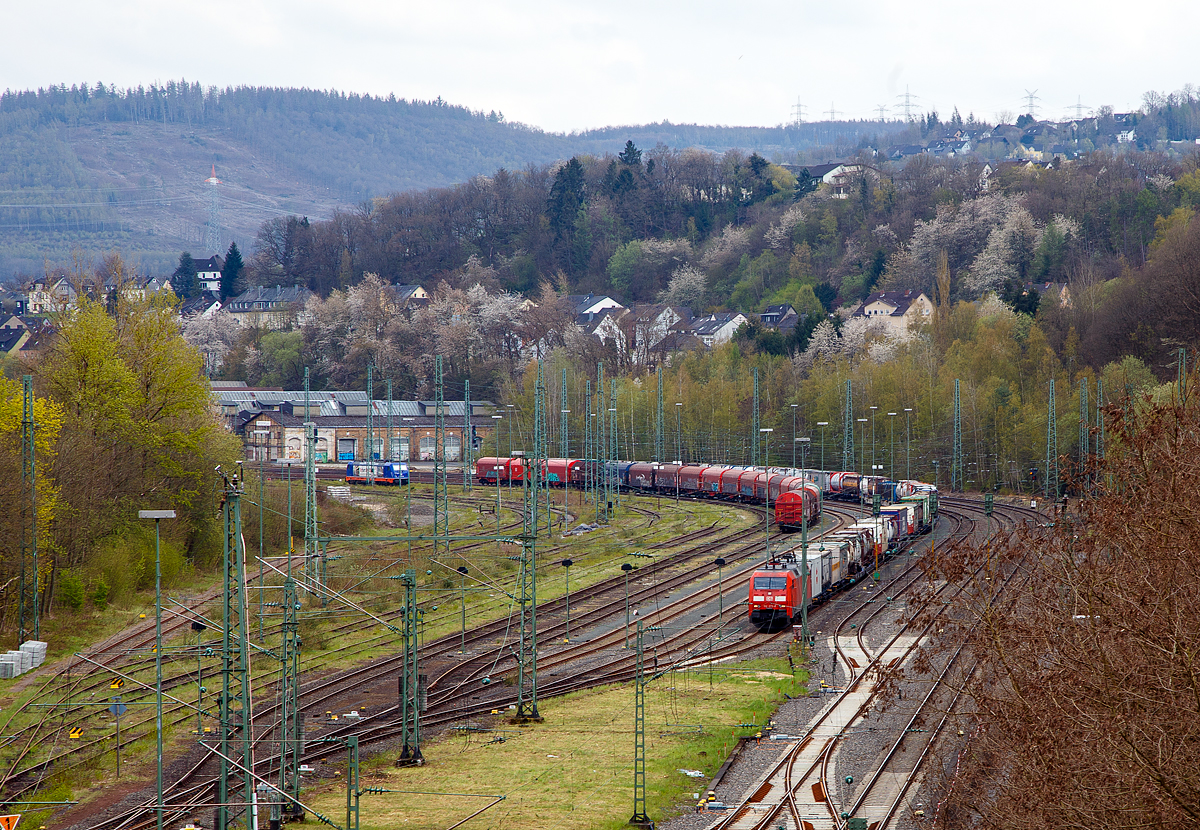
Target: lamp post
(803,442)
(198,627)
(496,427)
(892,441)
(567,563)
(873,408)
(822,425)
(614,484)
(626,567)
(678,450)
(462,593)
(720,563)
(508,406)
(566,453)
(261,452)
(767,468)
(862,439)
(794,435)
(908,442)
(157,515)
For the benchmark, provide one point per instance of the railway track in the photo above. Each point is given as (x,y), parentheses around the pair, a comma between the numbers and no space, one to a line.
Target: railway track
(130,650)
(454,695)
(455,703)
(800,789)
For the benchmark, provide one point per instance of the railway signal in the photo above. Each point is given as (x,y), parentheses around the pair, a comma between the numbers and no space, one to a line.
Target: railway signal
(567,563)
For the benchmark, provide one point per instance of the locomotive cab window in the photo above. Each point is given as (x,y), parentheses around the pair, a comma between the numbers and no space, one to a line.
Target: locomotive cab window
(768,583)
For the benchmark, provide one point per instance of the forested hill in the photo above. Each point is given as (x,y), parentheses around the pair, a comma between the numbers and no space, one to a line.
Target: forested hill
(96,168)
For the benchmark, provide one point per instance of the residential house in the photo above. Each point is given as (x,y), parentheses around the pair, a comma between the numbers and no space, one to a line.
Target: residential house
(11,341)
(903,151)
(406,298)
(718,328)
(606,325)
(651,323)
(208,274)
(204,304)
(1058,293)
(47,297)
(272,308)
(13,302)
(591,303)
(782,317)
(897,309)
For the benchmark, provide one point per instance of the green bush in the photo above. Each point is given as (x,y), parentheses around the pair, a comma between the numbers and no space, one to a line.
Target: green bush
(100,594)
(71,589)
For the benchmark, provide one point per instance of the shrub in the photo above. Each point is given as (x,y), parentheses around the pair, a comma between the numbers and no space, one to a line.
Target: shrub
(71,589)
(100,593)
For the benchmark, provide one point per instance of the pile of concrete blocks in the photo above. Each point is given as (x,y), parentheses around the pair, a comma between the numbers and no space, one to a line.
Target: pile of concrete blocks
(14,663)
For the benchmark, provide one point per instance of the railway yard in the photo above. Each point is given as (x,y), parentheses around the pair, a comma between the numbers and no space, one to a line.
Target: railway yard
(743,727)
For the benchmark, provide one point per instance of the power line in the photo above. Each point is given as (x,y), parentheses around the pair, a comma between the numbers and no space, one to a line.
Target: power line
(882,110)
(908,103)
(1031,108)
(798,112)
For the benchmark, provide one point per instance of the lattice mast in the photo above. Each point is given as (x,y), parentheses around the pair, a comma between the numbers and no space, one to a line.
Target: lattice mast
(313,567)
(410,678)
(441,506)
(236,702)
(564,446)
(615,454)
(754,433)
(956,461)
(848,431)
(29,610)
(1051,446)
(600,444)
(468,439)
(658,422)
(290,718)
(1085,432)
(370,423)
(387,447)
(588,450)
(639,818)
(527,588)
(212,229)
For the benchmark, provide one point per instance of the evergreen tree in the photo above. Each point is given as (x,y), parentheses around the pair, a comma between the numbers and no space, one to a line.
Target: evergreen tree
(231,272)
(184,278)
(631,155)
(566,197)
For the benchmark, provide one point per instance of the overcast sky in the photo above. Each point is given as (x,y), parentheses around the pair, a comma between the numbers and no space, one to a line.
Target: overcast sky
(581,63)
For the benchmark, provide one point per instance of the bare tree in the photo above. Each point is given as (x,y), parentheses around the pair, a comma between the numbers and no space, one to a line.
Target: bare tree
(1086,636)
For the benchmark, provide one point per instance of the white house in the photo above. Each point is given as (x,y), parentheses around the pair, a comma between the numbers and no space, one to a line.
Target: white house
(208,273)
(718,328)
(897,309)
(591,303)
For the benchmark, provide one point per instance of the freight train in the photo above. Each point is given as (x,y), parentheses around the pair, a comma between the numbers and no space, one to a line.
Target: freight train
(835,561)
(797,499)
(777,589)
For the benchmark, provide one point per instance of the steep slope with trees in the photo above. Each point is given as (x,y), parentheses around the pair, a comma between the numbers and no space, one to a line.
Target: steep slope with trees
(97,167)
